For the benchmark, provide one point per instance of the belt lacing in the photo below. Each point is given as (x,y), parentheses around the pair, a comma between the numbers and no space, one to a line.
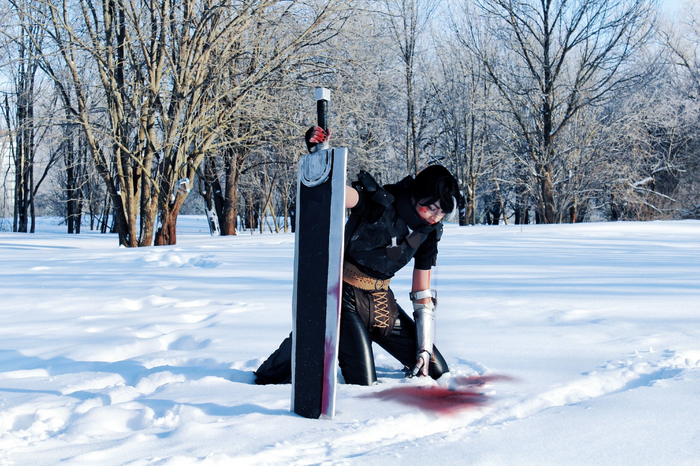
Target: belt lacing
(381,309)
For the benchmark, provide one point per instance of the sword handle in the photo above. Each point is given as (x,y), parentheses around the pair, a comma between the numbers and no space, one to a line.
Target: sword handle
(323,96)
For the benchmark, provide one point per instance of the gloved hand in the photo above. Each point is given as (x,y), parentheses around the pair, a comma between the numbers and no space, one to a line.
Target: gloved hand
(422,364)
(316,135)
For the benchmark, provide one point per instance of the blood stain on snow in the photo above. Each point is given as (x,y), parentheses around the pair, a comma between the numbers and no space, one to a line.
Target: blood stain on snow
(442,400)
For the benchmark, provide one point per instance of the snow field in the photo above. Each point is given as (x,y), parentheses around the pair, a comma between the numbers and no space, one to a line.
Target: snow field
(146,356)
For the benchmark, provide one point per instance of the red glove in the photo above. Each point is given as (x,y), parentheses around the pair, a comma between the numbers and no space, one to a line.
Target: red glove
(316,135)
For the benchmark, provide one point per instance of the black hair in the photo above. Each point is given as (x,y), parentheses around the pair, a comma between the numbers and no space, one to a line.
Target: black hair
(436,183)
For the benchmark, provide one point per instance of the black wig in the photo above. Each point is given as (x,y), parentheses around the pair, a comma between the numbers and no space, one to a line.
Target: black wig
(435,183)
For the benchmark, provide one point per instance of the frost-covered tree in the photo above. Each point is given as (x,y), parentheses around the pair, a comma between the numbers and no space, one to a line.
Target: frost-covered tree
(555,58)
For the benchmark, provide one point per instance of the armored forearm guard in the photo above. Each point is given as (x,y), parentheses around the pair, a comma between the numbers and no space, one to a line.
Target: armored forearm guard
(424,316)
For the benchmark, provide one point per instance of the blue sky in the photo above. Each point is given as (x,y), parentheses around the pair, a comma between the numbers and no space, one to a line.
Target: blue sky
(671,6)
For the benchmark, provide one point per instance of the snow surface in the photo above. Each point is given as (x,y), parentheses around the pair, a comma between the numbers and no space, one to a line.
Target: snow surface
(117,356)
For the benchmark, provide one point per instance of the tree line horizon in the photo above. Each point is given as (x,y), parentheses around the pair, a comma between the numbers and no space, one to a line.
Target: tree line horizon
(119,114)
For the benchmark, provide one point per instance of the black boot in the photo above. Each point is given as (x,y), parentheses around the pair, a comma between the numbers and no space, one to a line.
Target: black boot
(277,369)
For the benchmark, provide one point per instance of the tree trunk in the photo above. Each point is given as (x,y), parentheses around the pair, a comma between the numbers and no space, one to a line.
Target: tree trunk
(148,208)
(24,159)
(464,213)
(167,232)
(230,200)
(71,183)
(547,194)
(501,204)
(411,143)
(521,202)
(213,197)
(206,190)
(105,214)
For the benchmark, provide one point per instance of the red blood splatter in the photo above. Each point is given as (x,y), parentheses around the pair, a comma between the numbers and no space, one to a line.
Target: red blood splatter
(434,399)
(438,399)
(328,390)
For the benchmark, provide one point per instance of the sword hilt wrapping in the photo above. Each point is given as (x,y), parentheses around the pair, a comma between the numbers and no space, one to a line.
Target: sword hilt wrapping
(323,96)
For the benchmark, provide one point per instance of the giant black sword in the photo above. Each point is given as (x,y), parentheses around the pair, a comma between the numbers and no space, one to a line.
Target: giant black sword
(318,256)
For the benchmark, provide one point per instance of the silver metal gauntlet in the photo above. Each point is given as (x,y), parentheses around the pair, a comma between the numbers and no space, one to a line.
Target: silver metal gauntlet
(424,315)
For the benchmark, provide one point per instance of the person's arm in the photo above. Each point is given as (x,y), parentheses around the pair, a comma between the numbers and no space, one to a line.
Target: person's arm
(421,281)
(352,197)
(316,135)
(424,315)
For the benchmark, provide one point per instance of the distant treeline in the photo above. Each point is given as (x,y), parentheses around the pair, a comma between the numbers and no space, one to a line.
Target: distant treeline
(119,114)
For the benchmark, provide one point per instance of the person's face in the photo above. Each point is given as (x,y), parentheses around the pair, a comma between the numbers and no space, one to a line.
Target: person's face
(431,213)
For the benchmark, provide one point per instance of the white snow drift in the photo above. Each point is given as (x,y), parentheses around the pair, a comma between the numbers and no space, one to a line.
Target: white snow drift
(118,356)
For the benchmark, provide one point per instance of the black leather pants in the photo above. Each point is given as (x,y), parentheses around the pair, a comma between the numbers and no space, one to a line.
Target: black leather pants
(355,350)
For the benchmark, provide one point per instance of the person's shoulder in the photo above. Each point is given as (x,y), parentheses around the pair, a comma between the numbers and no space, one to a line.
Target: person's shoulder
(372,191)
(401,185)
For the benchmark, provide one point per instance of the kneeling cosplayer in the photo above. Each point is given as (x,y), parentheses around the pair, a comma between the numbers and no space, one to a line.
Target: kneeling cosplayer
(388,226)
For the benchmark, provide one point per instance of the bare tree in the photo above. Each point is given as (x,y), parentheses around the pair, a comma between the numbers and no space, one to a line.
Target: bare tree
(20,120)
(23,108)
(682,38)
(157,110)
(467,112)
(367,105)
(556,58)
(408,20)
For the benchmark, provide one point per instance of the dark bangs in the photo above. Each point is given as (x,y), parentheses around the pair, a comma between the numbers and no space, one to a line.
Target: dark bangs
(435,183)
